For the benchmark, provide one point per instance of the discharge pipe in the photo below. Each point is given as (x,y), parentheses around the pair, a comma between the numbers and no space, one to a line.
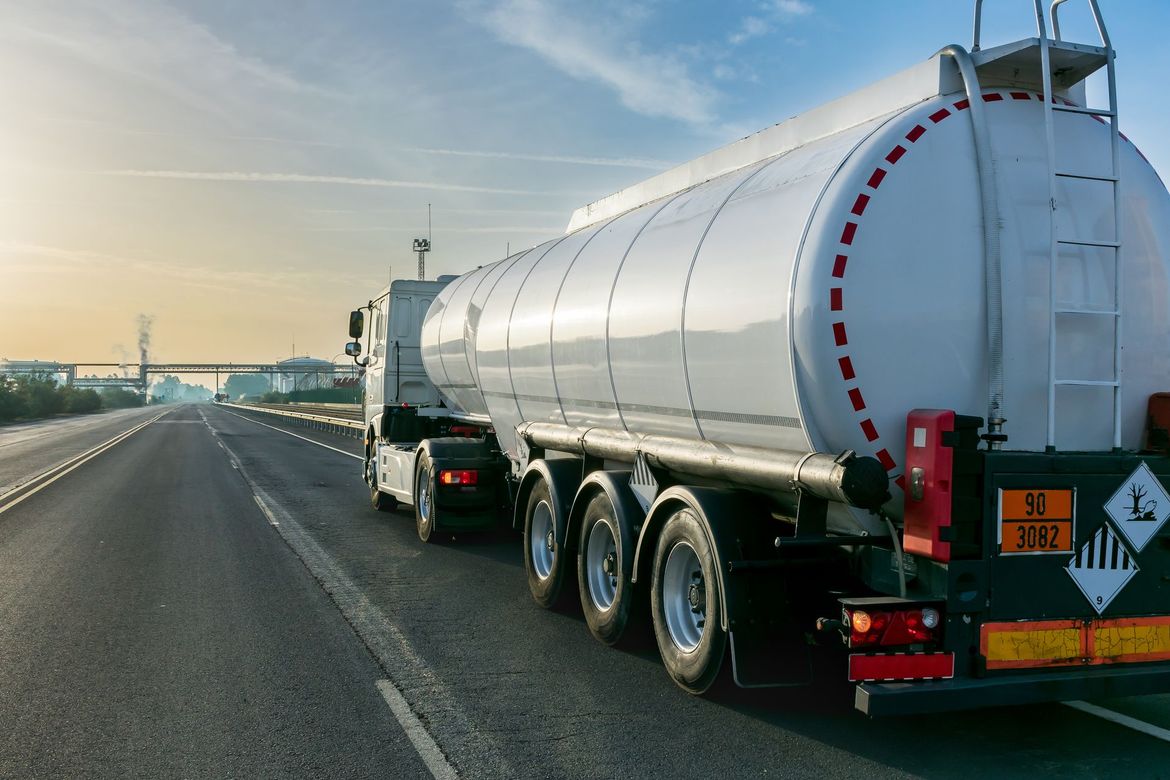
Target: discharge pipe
(845,478)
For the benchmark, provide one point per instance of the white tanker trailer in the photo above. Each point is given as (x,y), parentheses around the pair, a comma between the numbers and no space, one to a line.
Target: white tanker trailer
(884,376)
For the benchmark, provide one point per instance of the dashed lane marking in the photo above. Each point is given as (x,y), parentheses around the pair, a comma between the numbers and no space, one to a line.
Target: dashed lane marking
(385,641)
(1149,729)
(42,481)
(289,433)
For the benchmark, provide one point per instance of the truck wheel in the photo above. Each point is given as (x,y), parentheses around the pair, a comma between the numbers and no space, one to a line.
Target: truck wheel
(604,570)
(425,511)
(544,558)
(383,502)
(685,602)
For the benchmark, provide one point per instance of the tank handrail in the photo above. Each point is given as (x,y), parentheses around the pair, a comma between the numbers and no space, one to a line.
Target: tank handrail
(977,27)
(992,256)
(1097,20)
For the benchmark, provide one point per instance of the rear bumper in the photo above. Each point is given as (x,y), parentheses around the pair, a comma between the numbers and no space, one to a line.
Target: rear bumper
(912,698)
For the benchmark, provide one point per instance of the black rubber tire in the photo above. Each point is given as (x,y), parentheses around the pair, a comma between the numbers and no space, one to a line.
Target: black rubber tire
(608,626)
(425,525)
(383,502)
(695,671)
(549,592)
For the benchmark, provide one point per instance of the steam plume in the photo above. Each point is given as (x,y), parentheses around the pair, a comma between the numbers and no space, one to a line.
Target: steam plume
(145,322)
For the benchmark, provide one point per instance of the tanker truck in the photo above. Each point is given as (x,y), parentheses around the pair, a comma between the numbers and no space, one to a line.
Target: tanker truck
(884,380)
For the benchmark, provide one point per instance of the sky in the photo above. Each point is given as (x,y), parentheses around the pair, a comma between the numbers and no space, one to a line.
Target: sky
(247,173)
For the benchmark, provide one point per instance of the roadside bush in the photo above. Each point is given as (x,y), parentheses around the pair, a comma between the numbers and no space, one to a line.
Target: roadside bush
(117,398)
(12,403)
(42,396)
(81,401)
(273,397)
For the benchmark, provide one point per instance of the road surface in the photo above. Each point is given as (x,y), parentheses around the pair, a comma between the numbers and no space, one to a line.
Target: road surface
(212,596)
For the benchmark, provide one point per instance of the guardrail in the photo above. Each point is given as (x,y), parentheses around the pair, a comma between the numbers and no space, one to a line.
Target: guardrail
(321,422)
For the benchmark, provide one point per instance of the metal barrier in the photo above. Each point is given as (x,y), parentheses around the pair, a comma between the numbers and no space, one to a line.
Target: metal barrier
(320,422)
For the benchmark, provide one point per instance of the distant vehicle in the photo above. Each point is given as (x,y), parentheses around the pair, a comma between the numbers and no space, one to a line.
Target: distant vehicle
(857,381)
(220,398)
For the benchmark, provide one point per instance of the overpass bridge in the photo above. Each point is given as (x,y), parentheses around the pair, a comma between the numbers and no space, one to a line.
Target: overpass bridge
(135,376)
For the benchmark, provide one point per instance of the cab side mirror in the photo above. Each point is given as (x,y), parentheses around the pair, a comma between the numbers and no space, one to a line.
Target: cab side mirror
(357,323)
(353,349)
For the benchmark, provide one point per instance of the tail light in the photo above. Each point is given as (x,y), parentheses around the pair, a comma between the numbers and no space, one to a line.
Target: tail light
(891,628)
(459,477)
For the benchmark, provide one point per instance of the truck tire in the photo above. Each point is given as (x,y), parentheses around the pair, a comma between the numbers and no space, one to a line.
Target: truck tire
(685,603)
(544,555)
(604,570)
(383,502)
(426,513)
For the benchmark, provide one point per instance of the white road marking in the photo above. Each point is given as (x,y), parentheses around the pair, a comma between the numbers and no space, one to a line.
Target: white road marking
(430,753)
(297,435)
(54,474)
(1149,729)
(386,642)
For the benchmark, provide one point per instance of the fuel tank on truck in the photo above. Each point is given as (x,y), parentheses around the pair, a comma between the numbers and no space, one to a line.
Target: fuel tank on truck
(806,287)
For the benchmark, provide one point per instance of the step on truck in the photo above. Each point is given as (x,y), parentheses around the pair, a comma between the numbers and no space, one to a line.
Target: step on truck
(886,379)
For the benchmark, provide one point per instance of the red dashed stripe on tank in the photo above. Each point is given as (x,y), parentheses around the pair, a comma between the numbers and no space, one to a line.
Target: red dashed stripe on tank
(854,222)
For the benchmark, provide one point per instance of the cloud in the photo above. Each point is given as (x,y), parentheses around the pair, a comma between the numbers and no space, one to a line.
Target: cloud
(617,162)
(648,83)
(750,27)
(304,178)
(790,7)
(771,11)
(128,267)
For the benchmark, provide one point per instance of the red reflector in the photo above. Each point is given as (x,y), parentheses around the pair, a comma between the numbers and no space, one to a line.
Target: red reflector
(902,666)
(1157,433)
(459,477)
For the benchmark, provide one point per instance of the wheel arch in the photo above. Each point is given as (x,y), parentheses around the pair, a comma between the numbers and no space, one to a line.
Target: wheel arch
(563,475)
(615,484)
(720,512)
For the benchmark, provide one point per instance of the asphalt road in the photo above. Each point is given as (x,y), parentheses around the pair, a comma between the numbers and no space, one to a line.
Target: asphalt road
(213,596)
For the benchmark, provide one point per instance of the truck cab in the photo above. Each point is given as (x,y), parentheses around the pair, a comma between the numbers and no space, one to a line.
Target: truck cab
(415,452)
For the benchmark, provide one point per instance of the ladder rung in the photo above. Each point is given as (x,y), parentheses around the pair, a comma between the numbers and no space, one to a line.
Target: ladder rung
(1083,110)
(1099,312)
(1086,176)
(1087,383)
(1102,244)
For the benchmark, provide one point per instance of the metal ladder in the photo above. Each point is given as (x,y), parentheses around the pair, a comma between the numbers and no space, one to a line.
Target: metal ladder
(1057,242)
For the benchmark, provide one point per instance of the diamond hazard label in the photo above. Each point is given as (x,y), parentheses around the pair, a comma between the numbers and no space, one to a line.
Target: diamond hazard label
(1102,568)
(1139,508)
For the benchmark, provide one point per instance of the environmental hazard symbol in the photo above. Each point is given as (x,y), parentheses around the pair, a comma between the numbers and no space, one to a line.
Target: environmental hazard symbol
(1139,508)
(1102,567)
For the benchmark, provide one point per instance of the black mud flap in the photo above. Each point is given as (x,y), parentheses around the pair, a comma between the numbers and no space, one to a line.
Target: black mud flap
(760,660)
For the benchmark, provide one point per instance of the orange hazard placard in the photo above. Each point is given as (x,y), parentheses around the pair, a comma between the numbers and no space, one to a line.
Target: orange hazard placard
(1036,521)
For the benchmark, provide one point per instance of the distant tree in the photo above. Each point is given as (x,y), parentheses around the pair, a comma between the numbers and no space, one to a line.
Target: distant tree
(117,398)
(12,402)
(42,398)
(239,385)
(81,401)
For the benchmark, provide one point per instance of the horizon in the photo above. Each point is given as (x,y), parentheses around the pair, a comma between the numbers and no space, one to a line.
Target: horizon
(245,184)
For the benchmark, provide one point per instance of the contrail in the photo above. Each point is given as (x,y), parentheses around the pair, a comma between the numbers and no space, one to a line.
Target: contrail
(304,178)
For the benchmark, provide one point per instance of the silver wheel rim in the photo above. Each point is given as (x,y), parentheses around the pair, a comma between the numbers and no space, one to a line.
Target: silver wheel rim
(422,494)
(684,598)
(601,566)
(372,473)
(541,541)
